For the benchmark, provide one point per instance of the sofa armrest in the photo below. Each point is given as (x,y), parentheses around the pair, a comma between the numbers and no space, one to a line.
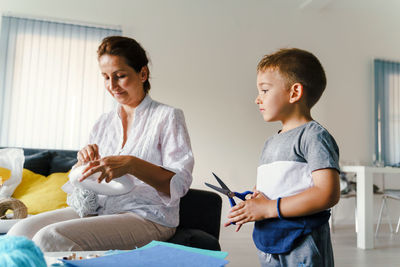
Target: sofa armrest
(195,238)
(200,209)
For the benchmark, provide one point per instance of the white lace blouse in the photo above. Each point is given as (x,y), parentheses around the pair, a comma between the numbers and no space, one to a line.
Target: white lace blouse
(158,135)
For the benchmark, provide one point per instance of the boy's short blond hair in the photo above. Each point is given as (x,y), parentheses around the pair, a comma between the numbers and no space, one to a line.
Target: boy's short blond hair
(298,66)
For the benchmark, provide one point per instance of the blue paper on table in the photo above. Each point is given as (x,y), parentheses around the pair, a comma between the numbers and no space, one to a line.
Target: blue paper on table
(214,253)
(158,255)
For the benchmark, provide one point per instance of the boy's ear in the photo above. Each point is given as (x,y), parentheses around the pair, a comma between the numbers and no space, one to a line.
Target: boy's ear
(296,92)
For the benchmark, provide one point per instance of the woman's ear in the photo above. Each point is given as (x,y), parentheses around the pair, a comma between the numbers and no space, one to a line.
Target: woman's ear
(296,92)
(144,74)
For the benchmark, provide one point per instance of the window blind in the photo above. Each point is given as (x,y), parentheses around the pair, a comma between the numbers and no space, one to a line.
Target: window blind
(50,86)
(387,112)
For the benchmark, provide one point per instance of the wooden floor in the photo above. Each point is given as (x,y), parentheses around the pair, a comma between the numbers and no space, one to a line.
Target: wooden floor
(242,251)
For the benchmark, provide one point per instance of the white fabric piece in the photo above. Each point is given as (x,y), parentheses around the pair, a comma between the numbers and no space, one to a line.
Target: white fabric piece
(158,135)
(115,187)
(283,178)
(11,159)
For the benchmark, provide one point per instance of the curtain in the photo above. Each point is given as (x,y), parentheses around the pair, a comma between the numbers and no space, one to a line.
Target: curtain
(387,112)
(51,90)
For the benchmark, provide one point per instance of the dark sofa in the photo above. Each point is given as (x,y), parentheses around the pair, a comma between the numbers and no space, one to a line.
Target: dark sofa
(200,211)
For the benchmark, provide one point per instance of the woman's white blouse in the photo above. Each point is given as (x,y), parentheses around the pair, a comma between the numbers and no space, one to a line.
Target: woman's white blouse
(158,135)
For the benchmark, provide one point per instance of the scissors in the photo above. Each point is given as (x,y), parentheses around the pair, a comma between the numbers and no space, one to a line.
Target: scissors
(225,190)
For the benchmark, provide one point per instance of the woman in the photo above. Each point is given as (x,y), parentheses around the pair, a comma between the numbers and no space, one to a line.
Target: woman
(141,138)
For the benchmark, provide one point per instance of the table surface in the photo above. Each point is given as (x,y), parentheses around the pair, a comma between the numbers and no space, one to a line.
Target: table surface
(365,217)
(355,168)
(53,257)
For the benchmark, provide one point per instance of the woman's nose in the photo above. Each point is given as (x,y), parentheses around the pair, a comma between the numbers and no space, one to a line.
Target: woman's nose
(112,83)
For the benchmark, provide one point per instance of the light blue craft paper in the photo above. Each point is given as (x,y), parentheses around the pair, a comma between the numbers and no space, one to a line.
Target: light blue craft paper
(213,253)
(158,255)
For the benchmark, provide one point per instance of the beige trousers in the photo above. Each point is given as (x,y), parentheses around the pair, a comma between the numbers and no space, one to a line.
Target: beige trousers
(64,230)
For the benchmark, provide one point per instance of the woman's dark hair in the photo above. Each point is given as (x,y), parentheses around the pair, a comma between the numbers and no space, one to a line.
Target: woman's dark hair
(130,50)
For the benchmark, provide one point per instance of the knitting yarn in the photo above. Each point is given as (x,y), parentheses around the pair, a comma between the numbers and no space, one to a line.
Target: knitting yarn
(18,251)
(19,209)
(83,201)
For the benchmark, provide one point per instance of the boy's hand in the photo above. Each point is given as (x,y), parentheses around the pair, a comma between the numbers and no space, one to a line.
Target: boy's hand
(253,209)
(254,195)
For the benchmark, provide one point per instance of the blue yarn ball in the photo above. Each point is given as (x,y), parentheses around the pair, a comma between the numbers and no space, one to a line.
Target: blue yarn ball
(19,251)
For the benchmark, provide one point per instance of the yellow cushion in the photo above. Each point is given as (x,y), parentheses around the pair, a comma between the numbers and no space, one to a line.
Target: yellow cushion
(5,174)
(40,193)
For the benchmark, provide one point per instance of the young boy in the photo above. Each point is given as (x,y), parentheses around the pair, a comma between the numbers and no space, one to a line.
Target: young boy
(298,175)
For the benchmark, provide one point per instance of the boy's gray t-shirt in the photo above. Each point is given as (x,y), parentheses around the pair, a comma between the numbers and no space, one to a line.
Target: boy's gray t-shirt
(286,164)
(289,158)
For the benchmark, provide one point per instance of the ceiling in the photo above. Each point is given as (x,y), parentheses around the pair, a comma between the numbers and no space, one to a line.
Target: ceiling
(370,5)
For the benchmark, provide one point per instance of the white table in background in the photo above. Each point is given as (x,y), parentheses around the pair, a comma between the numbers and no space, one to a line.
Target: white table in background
(365,201)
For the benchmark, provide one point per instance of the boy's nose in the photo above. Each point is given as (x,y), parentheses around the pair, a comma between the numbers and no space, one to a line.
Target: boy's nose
(258,100)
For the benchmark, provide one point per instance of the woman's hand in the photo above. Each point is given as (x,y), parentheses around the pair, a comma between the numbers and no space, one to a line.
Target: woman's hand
(88,153)
(111,167)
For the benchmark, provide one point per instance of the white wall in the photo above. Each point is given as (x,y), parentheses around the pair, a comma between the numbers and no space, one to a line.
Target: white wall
(204,55)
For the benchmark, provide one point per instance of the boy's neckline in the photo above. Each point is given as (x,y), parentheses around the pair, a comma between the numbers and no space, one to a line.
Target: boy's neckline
(297,127)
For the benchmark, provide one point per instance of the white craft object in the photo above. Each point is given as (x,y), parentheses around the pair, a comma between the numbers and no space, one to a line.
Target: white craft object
(5,225)
(117,186)
(12,160)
